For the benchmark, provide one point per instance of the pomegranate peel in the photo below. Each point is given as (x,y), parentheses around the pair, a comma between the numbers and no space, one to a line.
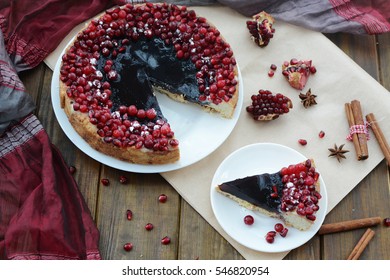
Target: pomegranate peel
(261,28)
(297,72)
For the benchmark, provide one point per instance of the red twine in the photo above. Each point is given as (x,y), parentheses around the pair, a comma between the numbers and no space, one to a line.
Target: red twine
(359,128)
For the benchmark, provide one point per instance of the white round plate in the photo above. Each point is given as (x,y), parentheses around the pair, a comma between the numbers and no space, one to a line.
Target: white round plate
(251,160)
(199,133)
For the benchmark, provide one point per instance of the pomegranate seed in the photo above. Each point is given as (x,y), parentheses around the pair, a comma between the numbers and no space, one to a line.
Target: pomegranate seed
(278,227)
(311,217)
(128,247)
(105,181)
(274,195)
(271,73)
(165,240)
(72,169)
(162,198)
(151,114)
(273,67)
(303,142)
(249,220)
(283,233)
(386,222)
(270,236)
(271,233)
(129,214)
(149,226)
(270,239)
(309,181)
(132,110)
(141,114)
(321,134)
(313,69)
(123,179)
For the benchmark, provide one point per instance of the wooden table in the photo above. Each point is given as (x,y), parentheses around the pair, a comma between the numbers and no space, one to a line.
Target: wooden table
(192,237)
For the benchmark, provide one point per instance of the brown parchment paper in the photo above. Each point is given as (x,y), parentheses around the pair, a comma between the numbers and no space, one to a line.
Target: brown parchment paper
(338,80)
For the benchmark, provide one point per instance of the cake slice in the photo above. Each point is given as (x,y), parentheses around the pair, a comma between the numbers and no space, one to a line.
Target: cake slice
(291,194)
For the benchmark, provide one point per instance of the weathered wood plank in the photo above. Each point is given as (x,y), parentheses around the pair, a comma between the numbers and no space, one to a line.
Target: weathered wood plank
(87,169)
(370,198)
(363,201)
(361,48)
(384,59)
(32,80)
(199,240)
(140,195)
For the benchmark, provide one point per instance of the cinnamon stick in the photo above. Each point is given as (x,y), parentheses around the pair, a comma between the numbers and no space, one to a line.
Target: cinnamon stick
(379,136)
(349,225)
(351,122)
(359,120)
(361,245)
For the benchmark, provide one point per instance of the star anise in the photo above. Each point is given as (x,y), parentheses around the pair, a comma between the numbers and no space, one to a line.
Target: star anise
(308,99)
(338,152)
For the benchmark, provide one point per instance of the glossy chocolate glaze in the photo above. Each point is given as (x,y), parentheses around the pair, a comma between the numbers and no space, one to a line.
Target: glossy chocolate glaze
(146,62)
(257,190)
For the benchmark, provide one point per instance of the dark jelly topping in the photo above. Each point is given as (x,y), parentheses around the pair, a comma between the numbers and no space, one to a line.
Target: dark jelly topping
(261,190)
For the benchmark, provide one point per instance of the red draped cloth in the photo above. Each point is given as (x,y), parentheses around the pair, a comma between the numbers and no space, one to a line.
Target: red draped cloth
(42,212)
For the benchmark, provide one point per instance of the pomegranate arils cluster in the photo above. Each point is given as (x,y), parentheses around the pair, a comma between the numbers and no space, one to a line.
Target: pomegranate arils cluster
(89,85)
(297,72)
(299,191)
(267,106)
(260,28)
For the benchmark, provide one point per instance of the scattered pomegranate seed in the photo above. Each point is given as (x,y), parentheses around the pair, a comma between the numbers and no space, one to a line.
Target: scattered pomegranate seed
(105,181)
(279,227)
(129,214)
(270,239)
(283,233)
(273,67)
(162,198)
(270,236)
(321,134)
(128,246)
(72,169)
(303,142)
(149,226)
(386,222)
(249,220)
(165,240)
(271,73)
(123,179)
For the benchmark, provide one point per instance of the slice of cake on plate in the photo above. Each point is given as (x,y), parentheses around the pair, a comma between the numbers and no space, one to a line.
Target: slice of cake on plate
(292,194)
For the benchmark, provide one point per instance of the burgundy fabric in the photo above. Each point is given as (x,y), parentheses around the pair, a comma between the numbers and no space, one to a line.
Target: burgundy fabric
(374,15)
(33,29)
(328,16)
(42,213)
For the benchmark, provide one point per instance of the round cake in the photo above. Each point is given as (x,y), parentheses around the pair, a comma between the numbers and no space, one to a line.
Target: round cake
(110,72)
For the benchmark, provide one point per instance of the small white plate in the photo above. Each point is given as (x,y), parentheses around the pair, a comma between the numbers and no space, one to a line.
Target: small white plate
(257,159)
(199,133)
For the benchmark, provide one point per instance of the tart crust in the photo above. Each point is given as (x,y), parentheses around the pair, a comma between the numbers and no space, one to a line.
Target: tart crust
(81,123)
(88,131)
